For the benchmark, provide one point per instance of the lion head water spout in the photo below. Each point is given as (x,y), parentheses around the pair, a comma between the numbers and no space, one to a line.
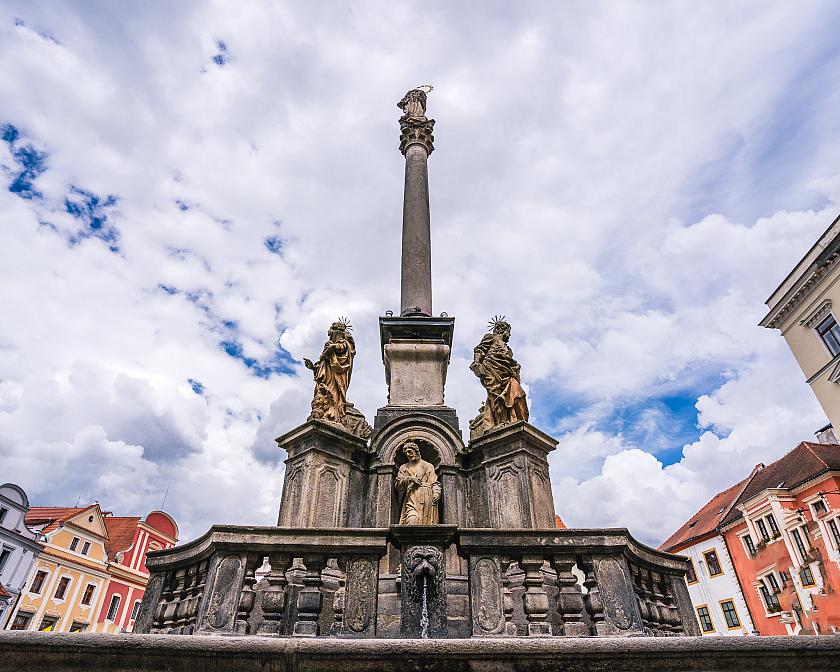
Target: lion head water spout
(424,593)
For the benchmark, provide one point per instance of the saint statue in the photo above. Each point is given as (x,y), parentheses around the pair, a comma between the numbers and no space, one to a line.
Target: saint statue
(413,104)
(498,372)
(332,374)
(422,489)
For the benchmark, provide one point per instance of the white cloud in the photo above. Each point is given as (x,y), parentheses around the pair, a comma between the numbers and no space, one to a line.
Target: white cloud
(606,182)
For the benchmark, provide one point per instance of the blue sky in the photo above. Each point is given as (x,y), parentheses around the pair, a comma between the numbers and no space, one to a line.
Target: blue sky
(191,193)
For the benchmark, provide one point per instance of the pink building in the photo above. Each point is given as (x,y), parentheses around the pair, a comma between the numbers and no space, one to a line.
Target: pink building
(129,539)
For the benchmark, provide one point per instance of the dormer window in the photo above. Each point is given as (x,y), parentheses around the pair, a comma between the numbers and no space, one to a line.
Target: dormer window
(74,544)
(85,548)
(829,332)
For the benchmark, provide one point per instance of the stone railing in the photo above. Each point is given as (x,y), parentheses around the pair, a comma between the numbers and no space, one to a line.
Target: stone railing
(285,582)
(577,583)
(265,581)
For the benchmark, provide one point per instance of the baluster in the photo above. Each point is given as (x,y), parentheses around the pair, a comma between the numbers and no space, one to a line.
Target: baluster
(535,599)
(507,597)
(246,597)
(569,597)
(592,599)
(273,596)
(339,598)
(309,599)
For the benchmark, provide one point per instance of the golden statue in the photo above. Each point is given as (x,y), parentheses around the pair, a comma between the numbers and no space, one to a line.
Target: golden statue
(498,372)
(332,374)
(422,489)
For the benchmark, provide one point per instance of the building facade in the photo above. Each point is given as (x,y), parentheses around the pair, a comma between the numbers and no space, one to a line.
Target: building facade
(784,537)
(805,308)
(774,540)
(91,573)
(18,547)
(713,585)
(129,539)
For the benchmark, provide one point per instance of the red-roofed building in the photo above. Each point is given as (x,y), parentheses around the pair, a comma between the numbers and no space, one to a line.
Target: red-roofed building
(129,539)
(777,534)
(719,604)
(92,573)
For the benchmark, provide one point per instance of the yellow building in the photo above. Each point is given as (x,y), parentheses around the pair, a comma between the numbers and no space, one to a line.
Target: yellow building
(806,308)
(68,581)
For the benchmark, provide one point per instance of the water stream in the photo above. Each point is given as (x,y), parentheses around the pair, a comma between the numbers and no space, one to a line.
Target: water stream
(424,614)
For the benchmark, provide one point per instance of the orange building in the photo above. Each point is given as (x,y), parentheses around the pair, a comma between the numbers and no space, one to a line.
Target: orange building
(777,533)
(784,540)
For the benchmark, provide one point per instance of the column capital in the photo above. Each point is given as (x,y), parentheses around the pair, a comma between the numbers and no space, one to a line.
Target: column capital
(416,132)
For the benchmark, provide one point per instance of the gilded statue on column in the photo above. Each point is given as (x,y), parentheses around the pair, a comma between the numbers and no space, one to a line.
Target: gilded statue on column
(422,489)
(498,372)
(332,374)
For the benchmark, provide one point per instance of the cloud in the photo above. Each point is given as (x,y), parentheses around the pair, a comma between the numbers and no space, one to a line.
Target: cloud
(201,191)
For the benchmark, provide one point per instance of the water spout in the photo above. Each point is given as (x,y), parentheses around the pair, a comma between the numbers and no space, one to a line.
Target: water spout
(424,614)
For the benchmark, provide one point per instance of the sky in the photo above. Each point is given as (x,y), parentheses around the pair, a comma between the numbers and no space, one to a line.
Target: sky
(191,192)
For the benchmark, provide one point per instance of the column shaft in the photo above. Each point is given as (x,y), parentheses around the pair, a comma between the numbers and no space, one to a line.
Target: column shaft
(416,277)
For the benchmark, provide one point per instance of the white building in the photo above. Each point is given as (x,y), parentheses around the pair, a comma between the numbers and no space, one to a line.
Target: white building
(18,547)
(712,583)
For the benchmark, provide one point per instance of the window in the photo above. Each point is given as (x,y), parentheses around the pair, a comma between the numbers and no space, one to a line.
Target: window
(770,599)
(63,582)
(134,610)
(807,576)
(78,627)
(829,332)
(835,532)
(691,575)
(730,614)
(21,621)
(762,529)
(88,596)
(3,512)
(772,582)
(705,619)
(713,563)
(5,554)
(74,543)
(38,581)
(748,542)
(113,608)
(85,548)
(800,545)
(48,624)
(819,507)
(774,528)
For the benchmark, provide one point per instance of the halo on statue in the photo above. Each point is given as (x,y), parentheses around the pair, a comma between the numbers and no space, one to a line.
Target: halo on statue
(427,88)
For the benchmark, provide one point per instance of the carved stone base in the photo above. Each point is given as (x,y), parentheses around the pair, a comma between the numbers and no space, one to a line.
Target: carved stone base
(325,464)
(509,481)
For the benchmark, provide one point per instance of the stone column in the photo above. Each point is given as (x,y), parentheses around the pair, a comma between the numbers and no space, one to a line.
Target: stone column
(416,278)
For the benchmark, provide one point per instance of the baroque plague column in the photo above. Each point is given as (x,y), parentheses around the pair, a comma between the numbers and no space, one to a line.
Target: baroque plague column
(402,529)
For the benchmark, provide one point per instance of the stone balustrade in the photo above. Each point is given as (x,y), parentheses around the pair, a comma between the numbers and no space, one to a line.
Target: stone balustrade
(282,582)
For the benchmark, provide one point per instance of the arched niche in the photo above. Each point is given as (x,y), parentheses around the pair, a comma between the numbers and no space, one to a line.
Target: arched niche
(439,444)
(437,436)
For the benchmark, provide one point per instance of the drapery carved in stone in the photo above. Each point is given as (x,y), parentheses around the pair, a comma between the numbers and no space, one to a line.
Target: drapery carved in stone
(498,372)
(332,374)
(422,489)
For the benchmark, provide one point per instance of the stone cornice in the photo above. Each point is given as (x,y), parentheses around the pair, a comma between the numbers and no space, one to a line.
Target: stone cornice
(821,268)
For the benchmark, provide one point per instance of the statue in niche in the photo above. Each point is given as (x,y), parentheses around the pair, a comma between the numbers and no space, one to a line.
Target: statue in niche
(332,374)
(413,104)
(498,372)
(422,489)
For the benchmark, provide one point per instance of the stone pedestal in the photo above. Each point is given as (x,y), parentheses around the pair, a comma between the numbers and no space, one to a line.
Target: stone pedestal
(508,478)
(416,372)
(325,464)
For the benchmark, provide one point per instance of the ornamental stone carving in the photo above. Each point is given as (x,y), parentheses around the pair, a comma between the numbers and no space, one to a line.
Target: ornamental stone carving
(498,372)
(361,595)
(332,374)
(415,128)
